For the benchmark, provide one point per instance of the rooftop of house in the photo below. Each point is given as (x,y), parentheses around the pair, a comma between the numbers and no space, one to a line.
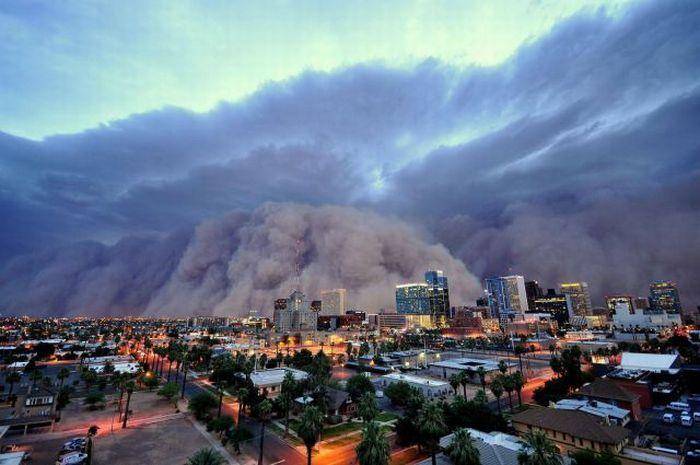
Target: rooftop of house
(605,389)
(275,376)
(473,363)
(601,409)
(573,422)
(412,379)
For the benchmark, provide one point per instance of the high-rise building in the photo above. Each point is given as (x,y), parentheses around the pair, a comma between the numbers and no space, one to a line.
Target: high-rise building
(556,305)
(641,303)
(438,295)
(663,296)
(612,302)
(333,302)
(578,297)
(532,291)
(295,313)
(412,299)
(507,296)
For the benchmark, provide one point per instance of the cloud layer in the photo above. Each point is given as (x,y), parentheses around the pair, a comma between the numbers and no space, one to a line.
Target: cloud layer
(577,158)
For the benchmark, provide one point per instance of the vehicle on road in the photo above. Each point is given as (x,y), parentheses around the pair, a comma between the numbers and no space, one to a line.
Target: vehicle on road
(686,420)
(679,406)
(669,418)
(74,458)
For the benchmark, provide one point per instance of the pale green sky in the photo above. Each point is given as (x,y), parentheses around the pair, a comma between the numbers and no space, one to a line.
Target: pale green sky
(66,66)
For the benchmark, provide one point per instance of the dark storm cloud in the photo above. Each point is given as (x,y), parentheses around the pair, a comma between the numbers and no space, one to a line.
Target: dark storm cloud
(577,158)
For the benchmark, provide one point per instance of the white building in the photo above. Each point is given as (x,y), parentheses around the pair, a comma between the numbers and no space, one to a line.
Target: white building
(333,302)
(655,363)
(270,381)
(428,387)
(609,412)
(627,317)
(446,368)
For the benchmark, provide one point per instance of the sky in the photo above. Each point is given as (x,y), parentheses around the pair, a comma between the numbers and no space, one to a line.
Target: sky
(177,157)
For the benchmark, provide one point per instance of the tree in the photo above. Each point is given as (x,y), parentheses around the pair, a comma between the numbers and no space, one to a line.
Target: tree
(481,371)
(284,401)
(207,456)
(464,380)
(462,450)
(201,403)
(497,390)
(168,391)
(242,395)
(454,382)
(539,450)
(63,398)
(509,387)
(431,425)
(35,376)
(374,448)
(62,375)
(399,392)
(310,427)
(502,367)
(518,384)
(367,407)
(590,457)
(150,380)
(221,385)
(480,397)
(221,424)
(263,410)
(94,400)
(519,351)
(129,386)
(358,385)
(12,378)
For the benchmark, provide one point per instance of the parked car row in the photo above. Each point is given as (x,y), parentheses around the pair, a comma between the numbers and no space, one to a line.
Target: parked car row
(686,418)
(73,452)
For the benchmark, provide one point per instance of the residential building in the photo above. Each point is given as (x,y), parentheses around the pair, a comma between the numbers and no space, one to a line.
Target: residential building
(428,387)
(571,429)
(577,296)
(446,368)
(664,297)
(507,296)
(494,448)
(609,412)
(34,407)
(270,381)
(333,302)
(605,390)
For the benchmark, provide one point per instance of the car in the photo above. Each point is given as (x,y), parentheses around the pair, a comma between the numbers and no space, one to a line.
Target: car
(686,420)
(679,406)
(74,458)
(75,441)
(379,394)
(67,449)
(696,416)
(669,418)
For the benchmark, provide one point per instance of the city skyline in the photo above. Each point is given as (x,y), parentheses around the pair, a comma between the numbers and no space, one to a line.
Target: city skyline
(175,158)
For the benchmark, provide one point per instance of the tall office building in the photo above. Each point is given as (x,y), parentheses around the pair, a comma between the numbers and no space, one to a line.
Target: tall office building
(532,291)
(578,297)
(412,299)
(663,296)
(556,305)
(438,294)
(507,296)
(295,313)
(333,302)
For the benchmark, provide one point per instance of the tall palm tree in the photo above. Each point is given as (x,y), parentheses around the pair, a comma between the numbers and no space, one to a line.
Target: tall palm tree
(519,351)
(373,449)
(454,382)
(497,390)
(207,456)
(462,450)
(264,410)
(431,424)
(481,371)
(518,384)
(464,380)
(242,395)
(62,375)
(310,427)
(539,450)
(367,408)
(220,385)
(129,390)
(509,387)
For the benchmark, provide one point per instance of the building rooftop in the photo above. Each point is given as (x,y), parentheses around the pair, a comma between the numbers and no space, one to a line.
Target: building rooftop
(600,409)
(606,389)
(473,363)
(650,362)
(275,376)
(412,379)
(576,423)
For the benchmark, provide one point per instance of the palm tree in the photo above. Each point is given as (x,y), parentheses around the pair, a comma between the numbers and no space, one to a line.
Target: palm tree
(497,390)
(129,391)
(539,450)
(264,410)
(481,371)
(12,378)
(206,456)
(502,367)
(431,425)
(373,449)
(464,380)
(367,407)
(62,375)
(519,351)
(509,387)
(462,450)
(220,385)
(310,427)
(454,382)
(518,384)
(242,395)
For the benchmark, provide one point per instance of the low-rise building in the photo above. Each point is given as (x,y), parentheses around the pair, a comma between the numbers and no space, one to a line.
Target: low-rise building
(606,390)
(494,448)
(270,381)
(428,387)
(446,368)
(34,406)
(611,413)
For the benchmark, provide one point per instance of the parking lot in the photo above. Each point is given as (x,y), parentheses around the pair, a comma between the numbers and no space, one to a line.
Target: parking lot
(656,426)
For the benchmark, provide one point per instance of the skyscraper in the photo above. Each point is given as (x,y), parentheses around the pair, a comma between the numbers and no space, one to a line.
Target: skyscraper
(578,297)
(532,291)
(663,296)
(333,302)
(295,313)
(412,299)
(612,301)
(438,294)
(506,296)
(556,305)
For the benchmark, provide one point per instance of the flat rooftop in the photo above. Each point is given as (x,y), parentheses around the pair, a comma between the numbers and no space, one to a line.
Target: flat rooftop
(275,376)
(473,363)
(413,379)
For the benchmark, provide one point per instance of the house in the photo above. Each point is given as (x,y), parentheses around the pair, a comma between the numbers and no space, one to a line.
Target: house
(605,390)
(428,387)
(35,406)
(571,429)
(340,403)
(270,381)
